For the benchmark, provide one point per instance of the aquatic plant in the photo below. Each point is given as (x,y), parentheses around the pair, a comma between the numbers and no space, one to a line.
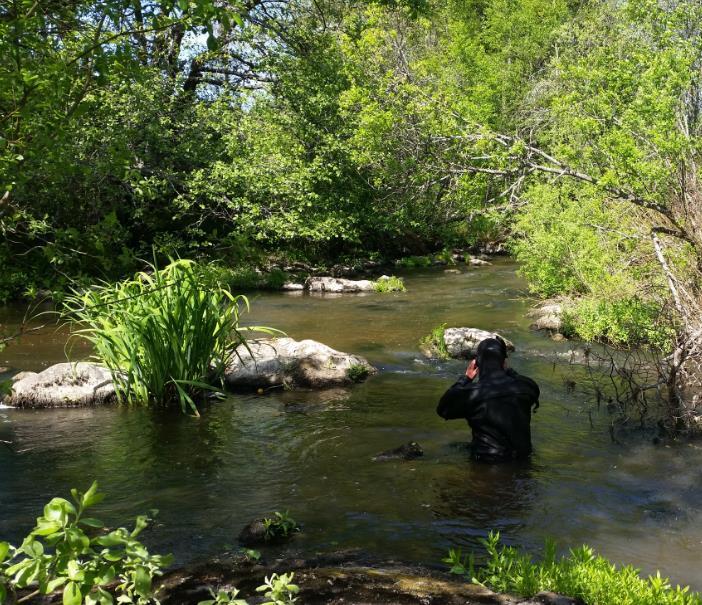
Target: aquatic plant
(390,284)
(357,372)
(166,335)
(581,574)
(69,551)
(224,597)
(279,590)
(281,525)
(434,343)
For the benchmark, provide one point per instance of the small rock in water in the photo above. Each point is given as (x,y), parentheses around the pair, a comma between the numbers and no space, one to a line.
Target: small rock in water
(558,337)
(477,262)
(408,451)
(292,287)
(338,284)
(452,271)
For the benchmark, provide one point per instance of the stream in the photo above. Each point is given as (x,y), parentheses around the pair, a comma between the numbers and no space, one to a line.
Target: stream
(310,452)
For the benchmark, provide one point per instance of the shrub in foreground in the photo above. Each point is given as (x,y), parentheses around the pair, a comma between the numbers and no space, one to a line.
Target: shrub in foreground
(582,574)
(71,552)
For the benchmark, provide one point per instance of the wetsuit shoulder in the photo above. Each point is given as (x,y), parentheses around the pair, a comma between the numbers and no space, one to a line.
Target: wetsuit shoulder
(524,380)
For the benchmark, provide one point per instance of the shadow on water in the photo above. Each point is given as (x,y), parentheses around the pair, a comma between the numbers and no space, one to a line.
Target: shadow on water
(310,452)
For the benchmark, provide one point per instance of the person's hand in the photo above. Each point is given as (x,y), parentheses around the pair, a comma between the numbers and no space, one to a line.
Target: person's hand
(472,369)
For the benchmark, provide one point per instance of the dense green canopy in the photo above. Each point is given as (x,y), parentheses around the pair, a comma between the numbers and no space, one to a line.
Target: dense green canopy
(323,129)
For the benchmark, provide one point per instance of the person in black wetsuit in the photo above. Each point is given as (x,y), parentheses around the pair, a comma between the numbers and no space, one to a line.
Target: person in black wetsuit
(497,407)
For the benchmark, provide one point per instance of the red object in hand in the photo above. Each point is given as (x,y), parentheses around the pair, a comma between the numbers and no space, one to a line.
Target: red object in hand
(472,370)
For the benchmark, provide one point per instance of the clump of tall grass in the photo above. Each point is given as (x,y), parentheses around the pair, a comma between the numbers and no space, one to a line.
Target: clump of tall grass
(390,284)
(434,344)
(167,335)
(581,574)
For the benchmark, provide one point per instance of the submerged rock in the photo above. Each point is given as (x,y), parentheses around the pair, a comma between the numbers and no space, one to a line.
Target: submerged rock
(284,361)
(460,343)
(338,285)
(408,451)
(63,385)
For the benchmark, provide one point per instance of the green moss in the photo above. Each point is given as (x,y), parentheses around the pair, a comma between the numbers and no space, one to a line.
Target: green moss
(357,372)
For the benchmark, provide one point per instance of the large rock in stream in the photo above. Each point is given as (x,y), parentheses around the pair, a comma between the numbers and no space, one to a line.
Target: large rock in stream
(284,361)
(62,385)
(339,285)
(548,316)
(459,343)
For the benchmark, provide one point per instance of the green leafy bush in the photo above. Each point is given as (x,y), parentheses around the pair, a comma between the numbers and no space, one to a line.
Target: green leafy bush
(281,525)
(390,284)
(357,372)
(582,574)
(70,551)
(279,590)
(166,335)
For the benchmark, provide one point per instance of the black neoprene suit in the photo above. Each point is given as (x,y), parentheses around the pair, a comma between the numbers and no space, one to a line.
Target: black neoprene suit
(498,409)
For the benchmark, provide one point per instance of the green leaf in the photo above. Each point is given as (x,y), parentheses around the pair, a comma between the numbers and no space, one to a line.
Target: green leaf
(46,527)
(4,550)
(91,522)
(55,583)
(72,594)
(91,497)
(114,538)
(142,582)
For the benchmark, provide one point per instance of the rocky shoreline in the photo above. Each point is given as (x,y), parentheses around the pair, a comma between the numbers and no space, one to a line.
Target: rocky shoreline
(344,578)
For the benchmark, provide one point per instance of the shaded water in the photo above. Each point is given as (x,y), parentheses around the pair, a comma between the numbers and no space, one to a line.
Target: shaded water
(309,452)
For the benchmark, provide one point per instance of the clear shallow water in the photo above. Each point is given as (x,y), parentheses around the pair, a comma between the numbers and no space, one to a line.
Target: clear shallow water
(309,452)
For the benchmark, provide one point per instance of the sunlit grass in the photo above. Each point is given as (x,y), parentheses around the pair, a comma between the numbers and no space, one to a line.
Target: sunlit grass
(167,335)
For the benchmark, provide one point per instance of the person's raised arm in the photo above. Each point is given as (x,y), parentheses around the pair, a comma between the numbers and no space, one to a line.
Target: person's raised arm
(456,401)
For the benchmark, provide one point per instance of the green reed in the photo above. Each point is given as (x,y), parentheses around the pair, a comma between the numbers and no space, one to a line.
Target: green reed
(167,335)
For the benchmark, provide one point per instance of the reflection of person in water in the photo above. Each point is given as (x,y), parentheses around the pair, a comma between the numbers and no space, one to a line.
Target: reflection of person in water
(498,406)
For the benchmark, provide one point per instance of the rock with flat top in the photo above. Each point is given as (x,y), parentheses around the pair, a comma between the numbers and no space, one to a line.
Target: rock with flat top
(547,316)
(63,385)
(284,361)
(338,285)
(460,343)
(477,262)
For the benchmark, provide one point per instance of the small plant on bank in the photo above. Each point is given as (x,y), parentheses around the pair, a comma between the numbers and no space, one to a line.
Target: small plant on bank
(166,335)
(434,342)
(224,597)
(69,551)
(390,284)
(281,525)
(581,574)
(357,372)
(279,590)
